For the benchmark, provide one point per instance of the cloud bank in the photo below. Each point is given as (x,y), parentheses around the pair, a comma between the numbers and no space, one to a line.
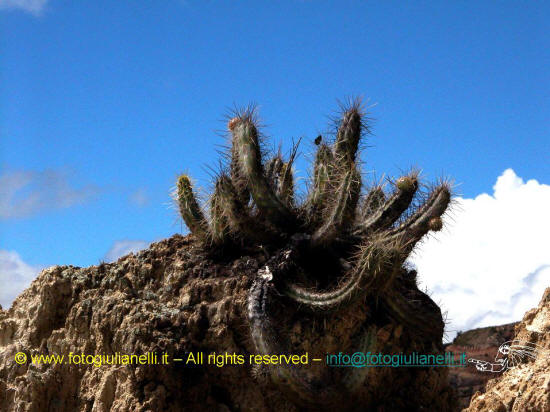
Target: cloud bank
(123,247)
(15,276)
(25,193)
(31,6)
(492,262)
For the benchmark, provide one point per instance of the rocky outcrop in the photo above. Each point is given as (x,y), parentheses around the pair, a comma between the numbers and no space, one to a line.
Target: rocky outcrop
(173,300)
(525,387)
(167,299)
(480,343)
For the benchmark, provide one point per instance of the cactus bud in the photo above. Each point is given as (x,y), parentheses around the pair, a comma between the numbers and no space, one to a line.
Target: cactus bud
(407,183)
(231,124)
(435,224)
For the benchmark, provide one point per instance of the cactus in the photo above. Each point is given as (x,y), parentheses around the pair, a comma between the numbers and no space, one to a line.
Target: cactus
(361,244)
(190,210)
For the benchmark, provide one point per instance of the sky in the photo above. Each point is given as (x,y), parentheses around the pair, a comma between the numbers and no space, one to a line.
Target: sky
(103,104)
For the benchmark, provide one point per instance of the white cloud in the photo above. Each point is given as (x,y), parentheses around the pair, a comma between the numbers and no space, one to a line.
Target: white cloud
(32,6)
(492,262)
(139,197)
(124,247)
(15,275)
(24,193)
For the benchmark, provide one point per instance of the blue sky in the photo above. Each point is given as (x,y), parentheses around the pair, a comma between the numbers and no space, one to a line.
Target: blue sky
(103,103)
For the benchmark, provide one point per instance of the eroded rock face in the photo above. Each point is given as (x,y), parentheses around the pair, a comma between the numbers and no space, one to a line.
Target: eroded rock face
(480,343)
(525,387)
(172,299)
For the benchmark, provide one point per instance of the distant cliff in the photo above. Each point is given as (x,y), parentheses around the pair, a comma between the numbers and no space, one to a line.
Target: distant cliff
(525,387)
(482,343)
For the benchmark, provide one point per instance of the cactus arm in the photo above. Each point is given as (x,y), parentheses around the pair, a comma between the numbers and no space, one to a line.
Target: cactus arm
(285,187)
(392,209)
(436,204)
(273,170)
(219,226)
(329,164)
(377,264)
(190,210)
(319,191)
(349,134)
(238,178)
(301,386)
(374,200)
(427,218)
(245,137)
(341,211)
(239,220)
(280,177)
(343,188)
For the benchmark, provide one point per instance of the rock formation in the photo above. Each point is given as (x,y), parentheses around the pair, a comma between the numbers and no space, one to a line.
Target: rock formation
(166,299)
(480,343)
(526,387)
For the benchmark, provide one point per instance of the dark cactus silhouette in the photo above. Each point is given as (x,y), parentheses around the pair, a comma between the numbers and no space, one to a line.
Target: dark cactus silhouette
(330,254)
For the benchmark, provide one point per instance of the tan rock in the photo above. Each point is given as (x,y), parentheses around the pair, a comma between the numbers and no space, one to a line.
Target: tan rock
(524,388)
(171,300)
